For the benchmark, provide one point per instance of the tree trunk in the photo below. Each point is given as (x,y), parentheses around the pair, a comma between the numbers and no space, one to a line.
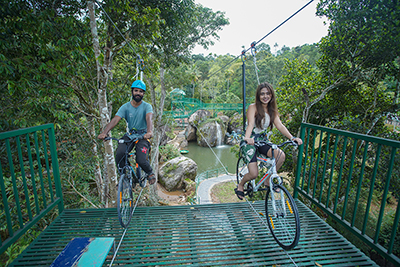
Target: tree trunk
(110,176)
(158,130)
(90,130)
(97,171)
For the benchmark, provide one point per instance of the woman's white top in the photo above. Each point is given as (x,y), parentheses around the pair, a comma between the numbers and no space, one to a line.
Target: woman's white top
(264,123)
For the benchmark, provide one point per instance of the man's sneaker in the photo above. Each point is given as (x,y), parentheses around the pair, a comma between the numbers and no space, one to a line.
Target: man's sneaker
(151,178)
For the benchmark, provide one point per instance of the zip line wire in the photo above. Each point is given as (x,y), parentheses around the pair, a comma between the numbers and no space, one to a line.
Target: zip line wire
(243,52)
(139,60)
(126,229)
(116,27)
(260,216)
(209,76)
(265,36)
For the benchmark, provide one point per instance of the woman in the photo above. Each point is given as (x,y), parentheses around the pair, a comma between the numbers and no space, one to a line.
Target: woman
(260,116)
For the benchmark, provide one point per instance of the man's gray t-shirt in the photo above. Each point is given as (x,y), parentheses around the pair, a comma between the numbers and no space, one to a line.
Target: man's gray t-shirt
(136,117)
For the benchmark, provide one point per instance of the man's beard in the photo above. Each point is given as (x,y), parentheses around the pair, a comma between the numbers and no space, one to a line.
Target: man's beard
(137,98)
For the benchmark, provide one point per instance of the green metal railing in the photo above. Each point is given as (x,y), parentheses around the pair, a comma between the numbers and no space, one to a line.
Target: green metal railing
(354,179)
(29,180)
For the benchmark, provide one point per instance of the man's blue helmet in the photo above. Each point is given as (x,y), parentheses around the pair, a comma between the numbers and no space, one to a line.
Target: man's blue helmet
(139,84)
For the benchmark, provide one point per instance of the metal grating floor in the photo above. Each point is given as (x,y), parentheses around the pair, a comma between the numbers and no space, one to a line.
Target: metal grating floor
(202,235)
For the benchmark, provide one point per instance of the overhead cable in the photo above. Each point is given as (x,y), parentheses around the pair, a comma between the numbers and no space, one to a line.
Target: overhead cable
(265,36)
(101,7)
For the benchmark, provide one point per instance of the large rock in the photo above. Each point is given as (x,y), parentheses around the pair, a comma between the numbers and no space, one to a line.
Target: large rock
(194,120)
(211,133)
(225,119)
(179,142)
(165,138)
(199,116)
(173,173)
(190,133)
(236,123)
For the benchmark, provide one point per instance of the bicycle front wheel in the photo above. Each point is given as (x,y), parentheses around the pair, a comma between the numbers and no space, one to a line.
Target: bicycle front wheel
(125,198)
(241,169)
(283,217)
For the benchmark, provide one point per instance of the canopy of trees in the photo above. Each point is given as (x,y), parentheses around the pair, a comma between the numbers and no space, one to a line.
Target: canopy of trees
(71,63)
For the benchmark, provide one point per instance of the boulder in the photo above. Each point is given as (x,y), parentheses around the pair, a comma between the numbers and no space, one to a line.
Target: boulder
(225,119)
(190,133)
(173,173)
(179,142)
(165,138)
(199,116)
(211,133)
(236,123)
(194,120)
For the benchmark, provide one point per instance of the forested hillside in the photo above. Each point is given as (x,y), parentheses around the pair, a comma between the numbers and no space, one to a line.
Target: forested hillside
(72,65)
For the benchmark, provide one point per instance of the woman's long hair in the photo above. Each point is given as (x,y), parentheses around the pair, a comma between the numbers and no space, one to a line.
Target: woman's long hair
(272,107)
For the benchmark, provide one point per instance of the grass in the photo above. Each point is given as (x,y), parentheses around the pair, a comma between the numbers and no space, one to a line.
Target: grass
(224,193)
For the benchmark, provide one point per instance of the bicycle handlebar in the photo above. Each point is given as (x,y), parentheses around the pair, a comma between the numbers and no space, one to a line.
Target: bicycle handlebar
(261,143)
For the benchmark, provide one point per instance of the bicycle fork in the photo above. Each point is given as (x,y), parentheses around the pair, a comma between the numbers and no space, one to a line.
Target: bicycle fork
(277,212)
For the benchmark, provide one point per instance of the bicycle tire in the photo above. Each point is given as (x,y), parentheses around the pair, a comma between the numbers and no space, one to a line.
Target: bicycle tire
(285,227)
(241,169)
(141,177)
(125,198)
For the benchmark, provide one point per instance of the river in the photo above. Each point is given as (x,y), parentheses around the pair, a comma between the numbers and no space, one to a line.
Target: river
(206,160)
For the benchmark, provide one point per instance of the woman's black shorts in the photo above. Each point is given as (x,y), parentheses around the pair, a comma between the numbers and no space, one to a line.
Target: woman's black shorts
(262,150)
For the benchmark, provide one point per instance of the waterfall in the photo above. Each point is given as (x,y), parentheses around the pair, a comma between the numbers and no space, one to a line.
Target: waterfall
(219,134)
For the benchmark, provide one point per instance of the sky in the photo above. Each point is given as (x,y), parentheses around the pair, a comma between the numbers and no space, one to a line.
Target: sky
(251,20)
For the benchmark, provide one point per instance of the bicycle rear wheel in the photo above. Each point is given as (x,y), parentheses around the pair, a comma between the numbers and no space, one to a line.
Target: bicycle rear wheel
(241,169)
(284,220)
(125,198)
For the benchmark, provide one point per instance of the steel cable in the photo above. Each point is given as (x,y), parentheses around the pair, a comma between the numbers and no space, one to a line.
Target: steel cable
(123,234)
(262,219)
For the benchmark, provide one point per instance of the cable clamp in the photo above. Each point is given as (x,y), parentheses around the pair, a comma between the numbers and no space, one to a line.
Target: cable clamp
(243,55)
(253,49)
(140,63)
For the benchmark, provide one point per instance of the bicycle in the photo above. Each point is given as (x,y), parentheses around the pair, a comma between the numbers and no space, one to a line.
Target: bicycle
(127,181)
(281,210)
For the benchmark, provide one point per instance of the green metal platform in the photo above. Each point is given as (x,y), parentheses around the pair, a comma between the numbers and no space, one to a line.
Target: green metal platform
(202,235)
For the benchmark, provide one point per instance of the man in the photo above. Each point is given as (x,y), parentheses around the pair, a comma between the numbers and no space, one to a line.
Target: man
(138,114)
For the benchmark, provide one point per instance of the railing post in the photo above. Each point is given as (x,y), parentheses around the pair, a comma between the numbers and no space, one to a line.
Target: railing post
(56,170)
(299,161)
